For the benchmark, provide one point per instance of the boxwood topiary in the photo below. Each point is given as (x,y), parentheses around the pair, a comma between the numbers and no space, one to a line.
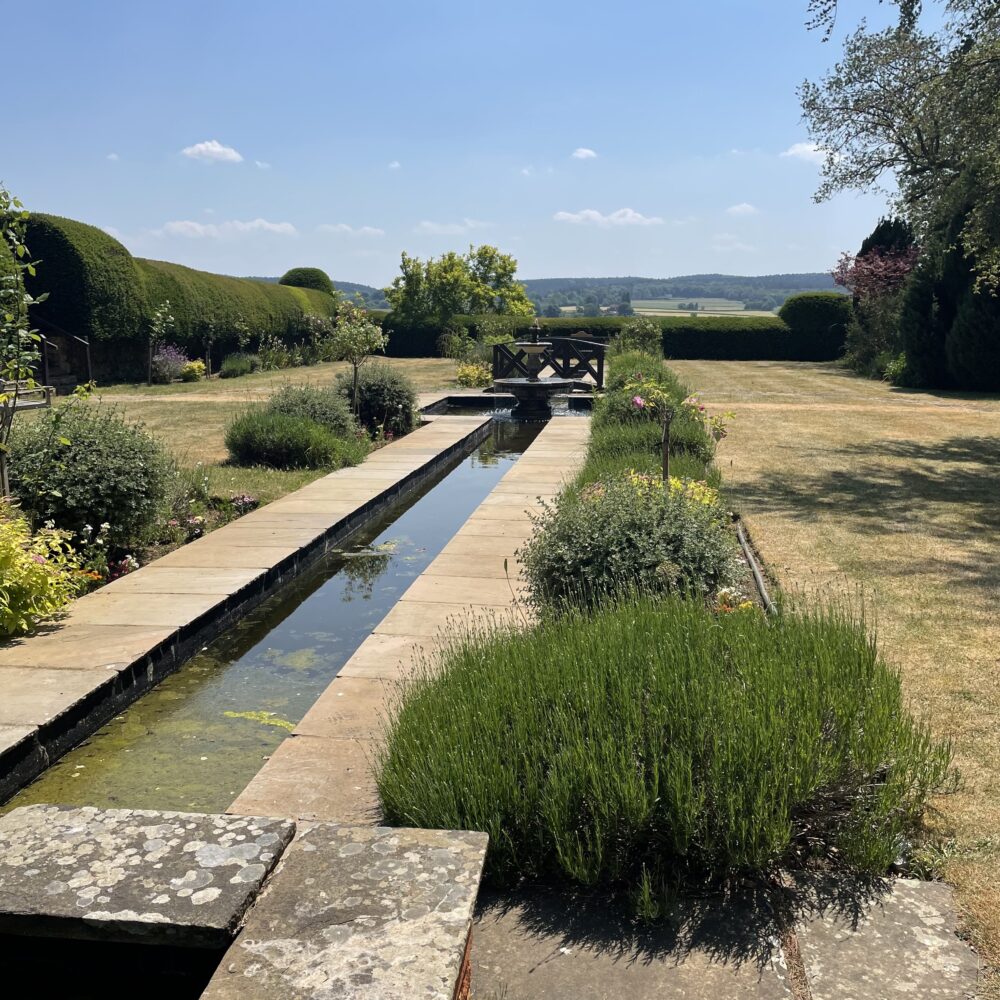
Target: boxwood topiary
(308,277)
(818,321)
(82,464)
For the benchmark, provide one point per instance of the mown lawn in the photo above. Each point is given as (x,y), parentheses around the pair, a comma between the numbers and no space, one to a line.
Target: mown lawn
(853,487)
(190,418)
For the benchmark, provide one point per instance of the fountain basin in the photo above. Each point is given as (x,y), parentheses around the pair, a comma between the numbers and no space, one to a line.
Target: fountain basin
(532,395)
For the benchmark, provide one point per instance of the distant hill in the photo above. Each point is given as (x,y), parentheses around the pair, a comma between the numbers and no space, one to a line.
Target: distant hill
(766,291)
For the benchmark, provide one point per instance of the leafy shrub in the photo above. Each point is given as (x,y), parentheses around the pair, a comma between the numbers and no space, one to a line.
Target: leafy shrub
(633,532)
(308,277)
(193,371)
(387,399)
(819,319)
(82,464)
(474,375)
(283,441)
(168,363)
(658,742)
(40,574)
(639,334)
(895,370)
(620,369)
(326,407)
(241,363)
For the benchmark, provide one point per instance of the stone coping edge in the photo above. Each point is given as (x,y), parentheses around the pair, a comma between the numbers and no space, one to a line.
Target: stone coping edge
(24,760)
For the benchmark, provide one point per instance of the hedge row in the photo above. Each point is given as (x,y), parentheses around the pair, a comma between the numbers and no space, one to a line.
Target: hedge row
(98,290)
(734,338)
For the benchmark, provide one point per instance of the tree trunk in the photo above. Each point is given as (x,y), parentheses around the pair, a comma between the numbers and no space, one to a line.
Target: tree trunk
(356,374)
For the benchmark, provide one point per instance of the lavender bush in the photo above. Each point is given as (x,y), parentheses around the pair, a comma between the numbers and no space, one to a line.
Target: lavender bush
(168,363)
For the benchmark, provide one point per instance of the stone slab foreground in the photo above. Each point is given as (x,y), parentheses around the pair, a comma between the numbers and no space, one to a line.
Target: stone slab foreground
(132,875)
(359,912)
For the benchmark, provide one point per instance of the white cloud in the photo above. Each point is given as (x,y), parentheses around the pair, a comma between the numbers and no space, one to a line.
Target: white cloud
(810,152)
(623,217)
(395,165)
(212,151)
(224,230)
(527,171)
(449,228)
(743,208)
(582,153)
(262,165)
(113,157)
(728,243)
(343,227)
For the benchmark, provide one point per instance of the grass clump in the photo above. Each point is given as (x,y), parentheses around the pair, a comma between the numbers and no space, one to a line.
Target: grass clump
(285,441)
(239,364)
(654,741)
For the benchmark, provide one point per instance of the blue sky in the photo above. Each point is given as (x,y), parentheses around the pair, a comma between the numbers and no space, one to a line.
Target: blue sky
(585,138)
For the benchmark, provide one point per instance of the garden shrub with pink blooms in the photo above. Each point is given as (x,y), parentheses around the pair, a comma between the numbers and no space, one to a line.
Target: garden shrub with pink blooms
(39,573)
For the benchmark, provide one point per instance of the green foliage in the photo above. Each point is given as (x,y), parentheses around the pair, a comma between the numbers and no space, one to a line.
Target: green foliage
(355,339)
(474,375)
(818,319)
(99,291)
(193,371)
(83,464)
(326,407)
(620,369)
(431,292)
(95,289)
(240,363)
(282,441)
(387,399)
(633,532)
(923,342)
(655,736)
(972,345)
(639,334)
(40,574)
(309,277)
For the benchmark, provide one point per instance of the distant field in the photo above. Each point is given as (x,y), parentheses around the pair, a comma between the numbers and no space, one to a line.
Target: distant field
(706,307)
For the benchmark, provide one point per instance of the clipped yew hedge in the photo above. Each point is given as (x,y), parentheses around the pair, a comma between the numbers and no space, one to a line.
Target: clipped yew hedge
(98,290)
(733,338)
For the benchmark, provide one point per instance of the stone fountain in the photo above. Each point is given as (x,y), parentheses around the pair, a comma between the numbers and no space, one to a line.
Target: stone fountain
(532,393)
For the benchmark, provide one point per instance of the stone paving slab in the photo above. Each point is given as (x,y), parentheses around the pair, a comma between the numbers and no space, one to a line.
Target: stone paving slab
(133,875)
(350,707)
(466,590)
(428,619)
(903,945)
(519,529)
(373,913)
(488,566)
(34,696)
(79,646)
(312,778)
(225,555)
(13,736)
(131,608)
(545,949)
(176,580)
(387,656)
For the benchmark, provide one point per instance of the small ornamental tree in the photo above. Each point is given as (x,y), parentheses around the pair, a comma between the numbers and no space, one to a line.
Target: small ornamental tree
(355,339)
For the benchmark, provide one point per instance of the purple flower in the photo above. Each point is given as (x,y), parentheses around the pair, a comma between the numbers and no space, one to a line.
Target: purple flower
(639,402)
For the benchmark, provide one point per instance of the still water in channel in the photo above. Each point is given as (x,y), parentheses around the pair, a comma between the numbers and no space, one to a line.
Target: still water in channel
(195,741)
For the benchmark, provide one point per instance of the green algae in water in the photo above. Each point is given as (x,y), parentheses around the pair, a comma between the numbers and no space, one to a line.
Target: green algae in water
(191,743)
(264,718)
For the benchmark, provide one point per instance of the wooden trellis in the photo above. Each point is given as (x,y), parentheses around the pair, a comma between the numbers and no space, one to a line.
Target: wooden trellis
(15,398)
(568,357)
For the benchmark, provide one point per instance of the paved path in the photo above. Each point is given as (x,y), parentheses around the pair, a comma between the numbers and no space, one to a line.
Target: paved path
(322,770)
(60,685)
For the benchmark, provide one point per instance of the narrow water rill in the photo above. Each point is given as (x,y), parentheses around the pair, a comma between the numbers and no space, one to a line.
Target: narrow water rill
(198,738)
